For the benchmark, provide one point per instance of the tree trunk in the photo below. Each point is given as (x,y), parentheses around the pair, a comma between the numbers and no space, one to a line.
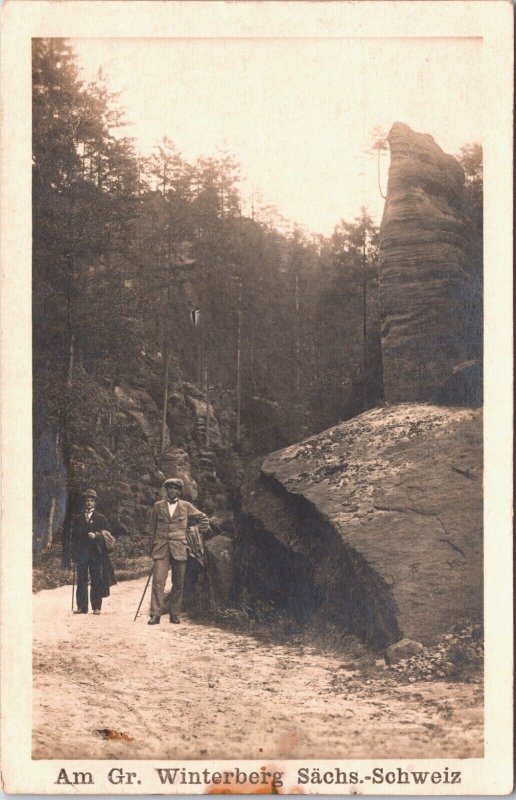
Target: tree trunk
(207,401)
(71,324)
(251,364)
(50,525)
(239,367)
(200,363)
(71,361)
(112,439)
(52,510)
(165,405)
(364,324)
(297,374)
(165,379)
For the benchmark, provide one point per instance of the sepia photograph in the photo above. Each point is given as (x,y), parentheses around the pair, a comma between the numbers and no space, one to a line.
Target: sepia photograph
(257,362)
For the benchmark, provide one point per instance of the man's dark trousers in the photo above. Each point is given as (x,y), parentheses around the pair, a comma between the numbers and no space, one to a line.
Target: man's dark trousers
(89,561)
(88,557)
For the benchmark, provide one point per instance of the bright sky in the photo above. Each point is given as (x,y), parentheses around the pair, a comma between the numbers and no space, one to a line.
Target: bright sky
(296,113)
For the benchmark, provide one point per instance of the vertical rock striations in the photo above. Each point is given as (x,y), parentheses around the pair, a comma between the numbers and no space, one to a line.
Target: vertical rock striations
(424,240)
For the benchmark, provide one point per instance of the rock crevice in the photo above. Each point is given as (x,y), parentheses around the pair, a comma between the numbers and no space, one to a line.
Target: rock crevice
(309,568)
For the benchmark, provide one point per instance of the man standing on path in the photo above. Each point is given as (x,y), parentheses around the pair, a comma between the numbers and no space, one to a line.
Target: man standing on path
(87,550)
(168,522)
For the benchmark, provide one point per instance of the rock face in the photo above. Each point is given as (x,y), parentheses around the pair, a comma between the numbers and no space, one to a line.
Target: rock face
(377,523)
(423,267)
(209,589)
(464,387)
(120,456)
(219,570)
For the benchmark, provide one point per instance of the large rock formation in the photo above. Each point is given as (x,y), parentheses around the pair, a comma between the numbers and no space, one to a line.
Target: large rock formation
(423,267)
(115,446)
(375,523)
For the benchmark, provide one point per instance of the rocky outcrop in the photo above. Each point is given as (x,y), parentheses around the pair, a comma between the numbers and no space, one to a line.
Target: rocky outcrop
(115,443)
(375,523)
(203,415)
(218,571)
(423,266)
(137,403)
(176,461)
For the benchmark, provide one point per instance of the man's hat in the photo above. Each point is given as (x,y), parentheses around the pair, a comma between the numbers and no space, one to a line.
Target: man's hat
(90,493)
(173,482)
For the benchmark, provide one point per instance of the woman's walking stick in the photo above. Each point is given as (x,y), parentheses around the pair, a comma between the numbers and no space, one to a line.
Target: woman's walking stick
(144,591)
(73,583)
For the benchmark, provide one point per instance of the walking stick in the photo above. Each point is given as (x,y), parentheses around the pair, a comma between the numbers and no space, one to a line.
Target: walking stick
(73,582)
(144,591)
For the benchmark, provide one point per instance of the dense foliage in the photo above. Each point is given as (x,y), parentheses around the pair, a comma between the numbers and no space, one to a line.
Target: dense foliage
(153,254)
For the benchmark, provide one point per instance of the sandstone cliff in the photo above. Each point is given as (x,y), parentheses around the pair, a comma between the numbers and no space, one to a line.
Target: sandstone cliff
(375,523)
(115,444)
(423,267)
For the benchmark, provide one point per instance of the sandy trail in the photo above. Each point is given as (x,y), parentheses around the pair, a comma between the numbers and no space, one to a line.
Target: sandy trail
(198,692)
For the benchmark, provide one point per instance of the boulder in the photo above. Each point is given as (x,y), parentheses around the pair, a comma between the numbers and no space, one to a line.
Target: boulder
(376,522)
(424,267)
(218,570)
(209,589)
(223,522)
(405,648)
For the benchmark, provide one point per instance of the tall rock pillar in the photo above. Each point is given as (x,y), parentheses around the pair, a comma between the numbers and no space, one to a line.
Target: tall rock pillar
(424,280)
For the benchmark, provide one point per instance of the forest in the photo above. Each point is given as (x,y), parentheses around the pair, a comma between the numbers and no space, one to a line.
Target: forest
(151,256)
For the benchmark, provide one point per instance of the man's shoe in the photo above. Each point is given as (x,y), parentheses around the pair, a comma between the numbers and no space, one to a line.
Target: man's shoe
(81,611)
(174,620)
(96,610)
(154,621)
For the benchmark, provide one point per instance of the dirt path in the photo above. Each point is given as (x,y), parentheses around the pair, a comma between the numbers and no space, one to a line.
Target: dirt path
(198,692)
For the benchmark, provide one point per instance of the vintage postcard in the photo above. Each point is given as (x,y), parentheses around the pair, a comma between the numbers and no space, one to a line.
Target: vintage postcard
(256,397)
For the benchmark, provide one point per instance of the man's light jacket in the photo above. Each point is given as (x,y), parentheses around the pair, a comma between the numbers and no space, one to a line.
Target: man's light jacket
(167,534)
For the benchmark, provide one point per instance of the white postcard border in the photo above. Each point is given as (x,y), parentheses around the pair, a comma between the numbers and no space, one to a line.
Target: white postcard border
(23,19)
